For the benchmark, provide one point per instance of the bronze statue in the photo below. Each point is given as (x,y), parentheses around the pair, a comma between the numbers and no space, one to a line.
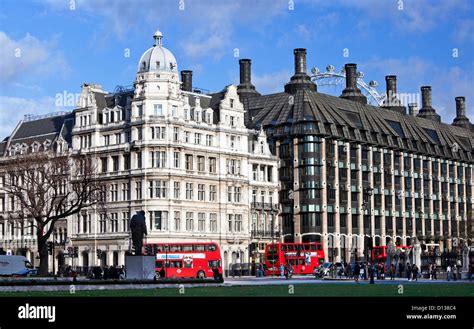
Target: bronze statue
(138,229)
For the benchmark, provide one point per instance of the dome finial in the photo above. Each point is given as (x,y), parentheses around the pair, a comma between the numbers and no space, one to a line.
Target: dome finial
(158,36)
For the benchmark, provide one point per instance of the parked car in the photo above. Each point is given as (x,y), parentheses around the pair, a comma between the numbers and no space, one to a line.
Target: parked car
(16,266)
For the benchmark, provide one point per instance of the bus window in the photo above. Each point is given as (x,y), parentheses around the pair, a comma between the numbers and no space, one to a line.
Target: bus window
(200,247)
(320,247)
(283,247)
(176,264)
(301,261)
(214,263)
(272,248)
(312,247)
(299,247)
(290,247)
(293,262)
(175,248)
(211,247)
(159,264)
(188,247)
(159,248)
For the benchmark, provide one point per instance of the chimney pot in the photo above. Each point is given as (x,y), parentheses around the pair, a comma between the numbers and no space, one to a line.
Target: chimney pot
(413,109)
(300,61)
(426,97)
(351,75)
(460,106)
(187,80)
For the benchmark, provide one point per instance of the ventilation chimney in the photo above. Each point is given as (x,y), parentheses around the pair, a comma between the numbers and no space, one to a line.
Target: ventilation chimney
(352,92)
(187,80)
(413,109)
(461,120)
(392,102)
(427,111)
(246,88)
(300,80)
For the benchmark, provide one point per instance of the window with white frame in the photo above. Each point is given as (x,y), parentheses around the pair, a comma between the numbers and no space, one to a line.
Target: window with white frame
(176,134)
(158,159)
(213,222)
(212,165)
(238,223)
(174,111)
(177,221)
(201,192)
(230,222)
(237,194)
(212,192)
(201,163)
(113,192)
(114,222)
(209,141)
(158,109)
(176,161)
(159,220)
(177,190)
(201,222)
(229,193)
(138,190)
(125,221)
(125,191)
(189,161)
(189,191)
(158,133)
(187,135)
(189,221)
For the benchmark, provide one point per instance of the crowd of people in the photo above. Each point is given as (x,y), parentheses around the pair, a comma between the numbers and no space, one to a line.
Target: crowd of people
(107,273)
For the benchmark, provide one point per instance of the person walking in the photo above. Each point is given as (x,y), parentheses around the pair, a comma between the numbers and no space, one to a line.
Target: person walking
(356,272)
(415,272)
(434,272)
(455,272)
(282,270)
(430,271)
(392,272)
(408,271)
(448,272)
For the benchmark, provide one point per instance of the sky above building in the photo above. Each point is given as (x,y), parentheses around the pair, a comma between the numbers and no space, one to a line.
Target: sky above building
(49,48)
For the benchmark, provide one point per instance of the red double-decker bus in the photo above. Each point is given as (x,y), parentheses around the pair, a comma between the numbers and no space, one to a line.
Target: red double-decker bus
(186,260)
(379,253)
(304,257)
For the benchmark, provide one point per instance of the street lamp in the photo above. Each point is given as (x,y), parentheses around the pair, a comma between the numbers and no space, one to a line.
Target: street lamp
(366,206)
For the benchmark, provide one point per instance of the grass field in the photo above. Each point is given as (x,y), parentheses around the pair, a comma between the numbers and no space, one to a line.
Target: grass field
(301,290)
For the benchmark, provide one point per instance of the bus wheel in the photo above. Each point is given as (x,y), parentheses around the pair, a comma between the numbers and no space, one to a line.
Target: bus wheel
(201,275)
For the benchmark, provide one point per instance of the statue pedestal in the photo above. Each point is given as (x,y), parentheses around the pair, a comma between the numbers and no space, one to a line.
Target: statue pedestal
(140,267)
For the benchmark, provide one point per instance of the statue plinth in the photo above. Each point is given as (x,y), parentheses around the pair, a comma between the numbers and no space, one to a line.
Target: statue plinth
(140,267)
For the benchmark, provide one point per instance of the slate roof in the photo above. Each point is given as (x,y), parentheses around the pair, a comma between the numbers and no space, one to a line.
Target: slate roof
(306,111)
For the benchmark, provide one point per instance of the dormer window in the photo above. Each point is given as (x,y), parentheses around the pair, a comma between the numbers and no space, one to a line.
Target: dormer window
(231,103)
(158,64)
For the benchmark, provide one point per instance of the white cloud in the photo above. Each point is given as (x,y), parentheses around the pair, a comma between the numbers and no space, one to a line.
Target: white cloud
(27,56)
(13,109)
(269,83)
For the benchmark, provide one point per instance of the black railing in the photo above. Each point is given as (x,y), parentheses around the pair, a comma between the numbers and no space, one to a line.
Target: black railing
(264,206)
(264,234)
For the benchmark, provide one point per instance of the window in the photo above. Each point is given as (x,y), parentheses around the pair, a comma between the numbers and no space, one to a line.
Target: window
(174,111)
(176,159)
(158,189)
(177,221)
(233,167)
(140,110)
(230,221)
(238,223)
(189,162)
(212,165)
(187,135)
(209,140)
(118,138)
(158,109)
(126,162)
(213,222)
(176,134)
(139,134)
(197,138)
(236,194)
(159,219)
(200,163)
(114,192)
(229,193)
(189,221)
(125,221)
(115,163)
(102,223)
(125,191)
(255,171)
(189,191)
(212,192)
(201,222)
(158,132)
(139,160)
(231,104)
(158,159)
(201,192)
(106,140)
(103,162)
(114,222)
(177,188)
(138,190)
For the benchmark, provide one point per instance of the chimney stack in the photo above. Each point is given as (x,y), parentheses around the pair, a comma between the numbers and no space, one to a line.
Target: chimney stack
(427,111)
(413,109)
(392,102)
(246,88)
(300,80)
(352,92)
(461,120)
(187,80)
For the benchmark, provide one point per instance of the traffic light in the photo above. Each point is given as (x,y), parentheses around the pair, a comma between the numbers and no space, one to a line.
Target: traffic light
(99,253)
(50,247)
(149,249)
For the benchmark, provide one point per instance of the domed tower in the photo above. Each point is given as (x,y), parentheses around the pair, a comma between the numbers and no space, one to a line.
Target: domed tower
(157,73)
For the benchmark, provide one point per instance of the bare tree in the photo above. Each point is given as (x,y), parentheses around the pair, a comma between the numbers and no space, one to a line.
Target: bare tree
(48,187)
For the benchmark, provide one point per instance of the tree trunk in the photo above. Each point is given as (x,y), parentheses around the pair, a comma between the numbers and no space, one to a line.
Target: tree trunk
(43,255)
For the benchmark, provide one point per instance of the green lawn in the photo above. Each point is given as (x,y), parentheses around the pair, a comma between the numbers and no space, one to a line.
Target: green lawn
(306,290)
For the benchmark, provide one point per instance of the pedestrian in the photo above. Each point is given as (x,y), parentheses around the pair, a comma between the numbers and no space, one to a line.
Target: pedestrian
(470,272)
(430,271)
(415,272)
(356,272)
(382,271)
(448,272)
(434,271)
(349,271)
(282,270)
(162,273)
(392,272)
(372,269)
(400,270)
(455,272)
(408,271)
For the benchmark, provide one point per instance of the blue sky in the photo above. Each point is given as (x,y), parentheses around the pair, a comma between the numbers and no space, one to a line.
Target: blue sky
(51,47)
